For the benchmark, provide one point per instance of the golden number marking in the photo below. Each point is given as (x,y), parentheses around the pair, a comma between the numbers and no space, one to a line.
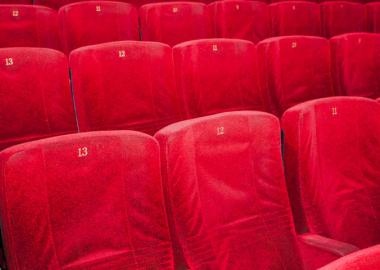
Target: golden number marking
(82,152)
(122,53)
(219,131)
(8,61)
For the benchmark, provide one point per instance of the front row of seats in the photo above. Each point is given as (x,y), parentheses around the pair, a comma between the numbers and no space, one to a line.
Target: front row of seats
(103,200)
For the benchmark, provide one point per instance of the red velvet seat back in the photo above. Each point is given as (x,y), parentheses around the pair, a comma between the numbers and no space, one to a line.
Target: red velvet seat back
(332,155)
(373,15)
(55,4)
(84,201)
(124,85)
(226,193)
(28,26)
(175,22)
(294,69)
(295,18)
(241,19)
(93,22)
(35,97)
(17,2)
(356,64)
(217,75)
(340,17)
(366,259)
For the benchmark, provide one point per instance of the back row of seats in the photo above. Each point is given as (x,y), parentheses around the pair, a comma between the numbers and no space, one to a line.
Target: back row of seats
(94,22)
(137,85)
(219,197)
(56,4)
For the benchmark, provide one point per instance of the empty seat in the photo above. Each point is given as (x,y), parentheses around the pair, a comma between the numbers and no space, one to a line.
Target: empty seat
(35,97)
(28,26)
(84,201)
(241,19)
(332,160)
(175,22)
(340,17)
(124,85)
(227,195)
(295,18)
(93,22)
(373,15)
(356,64)
(366,259)
(294,69)
(216,75)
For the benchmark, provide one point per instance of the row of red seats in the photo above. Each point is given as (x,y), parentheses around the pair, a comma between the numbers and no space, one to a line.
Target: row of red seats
(56,4)
(97,200)
(87,23)
(137,85)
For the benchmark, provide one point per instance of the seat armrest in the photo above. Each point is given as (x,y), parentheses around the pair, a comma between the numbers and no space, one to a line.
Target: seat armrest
(335,247)
(317,250)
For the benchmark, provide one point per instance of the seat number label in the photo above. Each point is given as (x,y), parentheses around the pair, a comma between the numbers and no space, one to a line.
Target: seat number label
(8,61)
(82,152)
(219,131)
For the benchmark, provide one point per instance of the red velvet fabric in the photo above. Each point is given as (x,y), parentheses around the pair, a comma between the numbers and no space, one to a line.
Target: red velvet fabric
(35,97)
(340,17)
(332,155)
(16,2)
(55,4)
(356,64)
(295,18)
(366,259)
(93,22)
(226,194)
(84,201)
(216,75)
(318,251)
(293,69)
(373,15)
(28,26)
(175,22)
(241,19)
(124,85)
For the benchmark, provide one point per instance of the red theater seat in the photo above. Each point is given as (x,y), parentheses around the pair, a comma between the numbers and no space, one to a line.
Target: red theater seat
(84,201)
(373,14)
(93,22)
(226,196)
(124,85)
(216,75)
(294,69)
(28,26)
(366,259)
(241,19)
(340,17)
(356,64)
(333,167)
(295,18)
(175,22)
(35,97)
